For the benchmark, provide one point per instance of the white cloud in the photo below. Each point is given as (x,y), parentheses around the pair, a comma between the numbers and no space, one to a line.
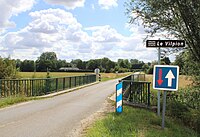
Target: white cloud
(69,4)
(107,4)
(13,7)
(59,31)
(93,7)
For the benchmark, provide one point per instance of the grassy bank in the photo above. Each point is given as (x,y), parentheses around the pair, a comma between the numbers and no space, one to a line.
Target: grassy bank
(4,102)
(137,123)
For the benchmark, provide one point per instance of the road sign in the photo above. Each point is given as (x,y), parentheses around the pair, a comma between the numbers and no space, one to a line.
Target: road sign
(97,71)
(119,98)
(165,77)
(165,43)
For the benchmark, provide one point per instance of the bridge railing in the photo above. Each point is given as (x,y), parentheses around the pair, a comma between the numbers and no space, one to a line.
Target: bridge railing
(136,90)
(42,86)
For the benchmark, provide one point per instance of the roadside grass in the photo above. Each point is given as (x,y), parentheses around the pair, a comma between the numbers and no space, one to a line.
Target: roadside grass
(4,102)
(135,122)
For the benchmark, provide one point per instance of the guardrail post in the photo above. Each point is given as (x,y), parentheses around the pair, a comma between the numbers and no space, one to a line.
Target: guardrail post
(75,81)
(149,94)
(63,83)
(56,84)
(131,92)
(0,87)
(33,92)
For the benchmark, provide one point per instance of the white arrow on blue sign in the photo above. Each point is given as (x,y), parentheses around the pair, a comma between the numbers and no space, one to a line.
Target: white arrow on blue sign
(165,77)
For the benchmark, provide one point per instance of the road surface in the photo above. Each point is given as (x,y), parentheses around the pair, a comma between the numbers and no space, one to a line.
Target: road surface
(54,117)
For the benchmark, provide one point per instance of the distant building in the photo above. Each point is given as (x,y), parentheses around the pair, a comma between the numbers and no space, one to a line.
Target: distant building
(69,69)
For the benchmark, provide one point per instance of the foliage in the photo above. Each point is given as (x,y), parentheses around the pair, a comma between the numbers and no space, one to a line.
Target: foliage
(4,102)
(165,61)
(188,66)
(181,18)
(27,66)
(190,117)
(47,61)
(7,68)
(189,96)
(137,123)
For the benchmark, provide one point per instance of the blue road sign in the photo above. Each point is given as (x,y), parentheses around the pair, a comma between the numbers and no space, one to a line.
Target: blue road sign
(119,97)
(165,77)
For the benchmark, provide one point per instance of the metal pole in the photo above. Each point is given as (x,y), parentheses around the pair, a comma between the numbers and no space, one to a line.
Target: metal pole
(158,105)
(164,108)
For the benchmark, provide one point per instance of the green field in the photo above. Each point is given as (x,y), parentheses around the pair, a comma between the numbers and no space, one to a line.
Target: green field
(104,76)
(52,74)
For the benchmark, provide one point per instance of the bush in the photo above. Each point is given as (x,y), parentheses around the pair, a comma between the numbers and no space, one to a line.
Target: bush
(176,109)
(188,116)
(7,68)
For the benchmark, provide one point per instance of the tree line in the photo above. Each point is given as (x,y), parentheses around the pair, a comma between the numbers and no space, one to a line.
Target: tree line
(48,61)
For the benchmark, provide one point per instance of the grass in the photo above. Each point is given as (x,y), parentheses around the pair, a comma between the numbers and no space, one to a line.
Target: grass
(52,74)
(134,122)
(4,102)
(104,76)
(110,76)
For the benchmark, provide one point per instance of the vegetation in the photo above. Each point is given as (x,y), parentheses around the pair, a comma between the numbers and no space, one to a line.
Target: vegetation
(7,68)
(4,102)
(135,122)
(180,18)
(48,62)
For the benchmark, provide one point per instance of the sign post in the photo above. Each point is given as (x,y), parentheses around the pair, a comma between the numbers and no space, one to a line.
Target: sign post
(164,44)
(158,103)
(165,77)
(119,98)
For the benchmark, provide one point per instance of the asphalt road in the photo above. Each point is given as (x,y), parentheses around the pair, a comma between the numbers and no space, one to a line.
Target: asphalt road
(54,117)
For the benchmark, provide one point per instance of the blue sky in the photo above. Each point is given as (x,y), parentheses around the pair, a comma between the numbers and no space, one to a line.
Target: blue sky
(84,29)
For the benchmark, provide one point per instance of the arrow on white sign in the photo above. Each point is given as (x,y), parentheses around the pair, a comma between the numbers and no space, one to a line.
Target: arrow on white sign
(170,76)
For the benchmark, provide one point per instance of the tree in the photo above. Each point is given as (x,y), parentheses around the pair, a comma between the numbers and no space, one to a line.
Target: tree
(91,65)
(188,66)
(18,63)
(166,61)
(107,64)
(27,66)
(47,61)
(7,68)
(121,63)
(78,63)
(181,18)
(62,63)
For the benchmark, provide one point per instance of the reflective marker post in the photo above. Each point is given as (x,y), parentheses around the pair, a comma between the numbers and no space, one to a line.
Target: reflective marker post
(119,98)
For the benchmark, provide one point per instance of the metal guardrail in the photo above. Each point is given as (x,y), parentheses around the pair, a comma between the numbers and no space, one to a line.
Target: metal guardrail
(136,91)
(37,86)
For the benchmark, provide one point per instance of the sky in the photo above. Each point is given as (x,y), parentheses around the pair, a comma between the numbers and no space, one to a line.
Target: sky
(73,29)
